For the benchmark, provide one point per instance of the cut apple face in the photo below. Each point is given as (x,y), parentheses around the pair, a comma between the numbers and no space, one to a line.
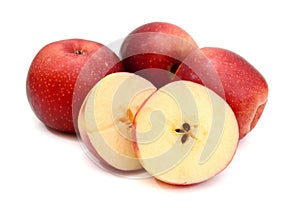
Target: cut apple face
(106,118)
(185,133)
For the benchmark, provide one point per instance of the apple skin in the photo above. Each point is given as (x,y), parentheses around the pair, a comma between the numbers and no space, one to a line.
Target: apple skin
(244,88)
(61,75)
(156,46)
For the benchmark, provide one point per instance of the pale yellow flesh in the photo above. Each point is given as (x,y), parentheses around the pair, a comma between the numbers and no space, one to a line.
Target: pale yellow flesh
(108,115)
(212,141)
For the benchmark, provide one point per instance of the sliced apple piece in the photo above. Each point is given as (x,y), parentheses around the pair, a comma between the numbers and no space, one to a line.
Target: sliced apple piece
(106,116)
(185,133)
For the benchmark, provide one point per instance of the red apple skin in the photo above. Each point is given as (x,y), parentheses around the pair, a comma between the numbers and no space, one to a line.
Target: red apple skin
(156,46)
(244,88)
(60,76)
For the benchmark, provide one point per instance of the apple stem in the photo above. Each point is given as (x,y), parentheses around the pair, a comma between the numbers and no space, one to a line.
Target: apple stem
(173,68)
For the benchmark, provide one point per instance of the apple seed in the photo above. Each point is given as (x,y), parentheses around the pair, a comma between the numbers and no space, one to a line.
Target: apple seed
(186,126)
(185,132)
(184,138)
(130,115)
(178,130)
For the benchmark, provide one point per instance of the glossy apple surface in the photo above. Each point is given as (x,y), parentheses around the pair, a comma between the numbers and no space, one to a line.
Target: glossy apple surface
(159,46)
(54,88)
(233,78)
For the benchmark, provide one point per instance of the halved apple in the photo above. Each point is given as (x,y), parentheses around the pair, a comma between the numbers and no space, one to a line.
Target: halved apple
(106,116)
(185,133)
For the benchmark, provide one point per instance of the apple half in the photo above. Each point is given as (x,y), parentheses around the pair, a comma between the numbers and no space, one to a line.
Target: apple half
(106,118)
(185,133)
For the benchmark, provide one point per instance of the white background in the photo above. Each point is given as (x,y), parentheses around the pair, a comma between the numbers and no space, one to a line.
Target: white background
(44,169)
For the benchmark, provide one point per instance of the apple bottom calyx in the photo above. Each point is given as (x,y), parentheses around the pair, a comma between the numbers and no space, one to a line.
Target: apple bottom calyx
(80,52)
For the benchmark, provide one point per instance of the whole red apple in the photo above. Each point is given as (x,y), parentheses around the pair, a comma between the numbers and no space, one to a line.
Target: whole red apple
(232,77)
(157,46)
(61,75)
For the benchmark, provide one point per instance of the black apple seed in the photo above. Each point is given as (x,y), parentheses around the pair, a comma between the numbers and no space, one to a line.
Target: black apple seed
(178,130)
(186,126)
(184,138)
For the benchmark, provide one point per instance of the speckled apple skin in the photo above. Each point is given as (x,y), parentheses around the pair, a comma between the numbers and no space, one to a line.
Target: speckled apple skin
(54,73)
(245,88)
(156,46)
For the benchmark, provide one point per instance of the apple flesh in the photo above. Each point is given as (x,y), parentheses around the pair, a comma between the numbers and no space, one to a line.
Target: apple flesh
(185,133)
(157,46)
(243,87)
(61,75)
(106,117)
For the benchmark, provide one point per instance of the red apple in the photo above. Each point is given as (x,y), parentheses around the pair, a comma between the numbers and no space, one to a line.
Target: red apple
(61,75)
(232,77)
(157,46)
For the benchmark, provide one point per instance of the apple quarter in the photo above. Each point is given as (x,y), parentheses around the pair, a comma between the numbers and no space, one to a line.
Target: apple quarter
(185,133)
